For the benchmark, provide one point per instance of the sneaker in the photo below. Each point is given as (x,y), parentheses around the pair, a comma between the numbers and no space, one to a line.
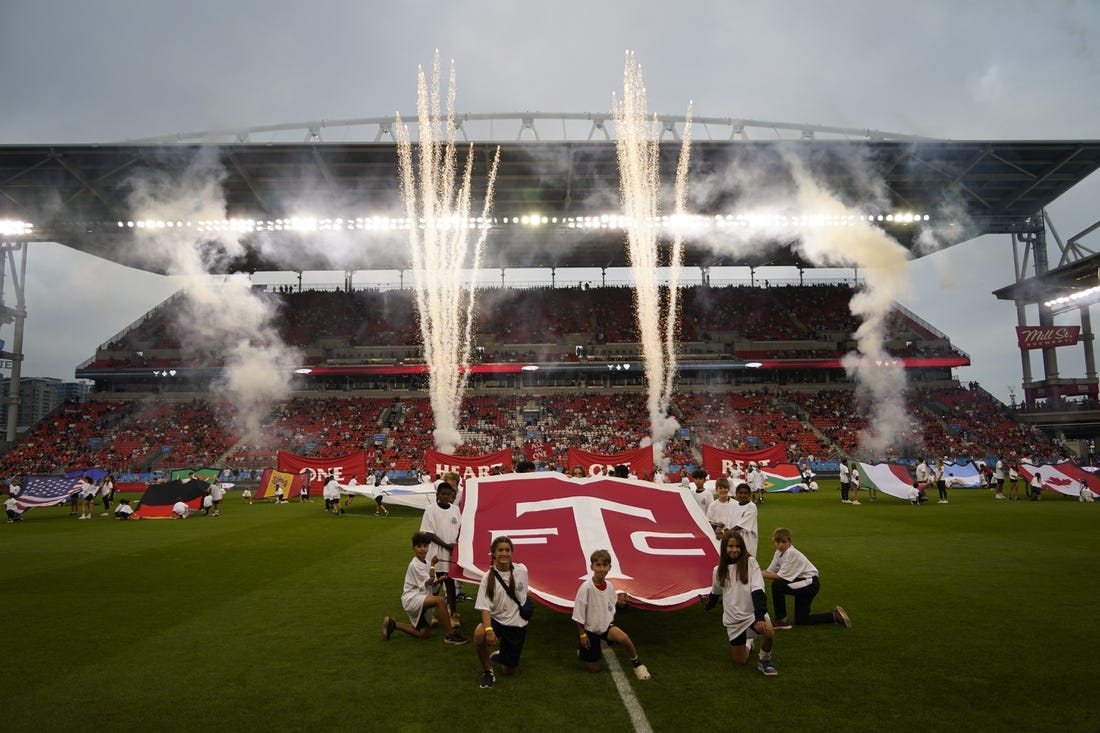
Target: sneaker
(641,672)
(104,514)
(942,501)
(855,503)
(488,679)
(388,625)
(766,666)
(782,624)
(845,501)
(841,617)
(456,638)
(999,496)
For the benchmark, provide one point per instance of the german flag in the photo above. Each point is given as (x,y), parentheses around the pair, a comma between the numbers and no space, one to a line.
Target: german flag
(158,499)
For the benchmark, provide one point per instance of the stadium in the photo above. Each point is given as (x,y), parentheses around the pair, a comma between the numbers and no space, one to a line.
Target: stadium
(252,362)
(747,346)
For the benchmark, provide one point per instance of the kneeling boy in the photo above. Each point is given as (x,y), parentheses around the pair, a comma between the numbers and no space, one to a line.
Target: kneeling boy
(417,600)
(594,613)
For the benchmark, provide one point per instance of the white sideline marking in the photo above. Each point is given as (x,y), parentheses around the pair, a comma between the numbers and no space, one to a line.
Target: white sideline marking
(626,693)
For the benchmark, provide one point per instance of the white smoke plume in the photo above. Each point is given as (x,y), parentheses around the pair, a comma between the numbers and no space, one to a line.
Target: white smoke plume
(437,205)
(792,206)
(219,316)
(880,378)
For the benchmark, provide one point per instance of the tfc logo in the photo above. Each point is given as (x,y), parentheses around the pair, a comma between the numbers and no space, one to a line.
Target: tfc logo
(661,545)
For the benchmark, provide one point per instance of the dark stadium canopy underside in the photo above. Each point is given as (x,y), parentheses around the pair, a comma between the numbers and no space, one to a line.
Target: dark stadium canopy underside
(78,195)
(1067,279)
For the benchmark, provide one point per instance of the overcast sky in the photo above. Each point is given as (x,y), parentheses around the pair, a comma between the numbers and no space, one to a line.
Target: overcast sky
(114,70)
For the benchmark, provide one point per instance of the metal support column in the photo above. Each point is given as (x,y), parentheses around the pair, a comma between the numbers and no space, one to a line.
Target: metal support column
(1088,343)
(17,316)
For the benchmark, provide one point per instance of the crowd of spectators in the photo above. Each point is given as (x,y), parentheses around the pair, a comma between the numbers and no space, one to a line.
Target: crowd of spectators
(368,325)
(135,435)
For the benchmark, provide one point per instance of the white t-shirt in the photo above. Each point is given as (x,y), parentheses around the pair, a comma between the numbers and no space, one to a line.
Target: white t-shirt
(703,498)
(445,524)
(595,608)
(180,508)
(501,607)
(722,513)
(744,516)
(416,588)
(738,613)
(793,567)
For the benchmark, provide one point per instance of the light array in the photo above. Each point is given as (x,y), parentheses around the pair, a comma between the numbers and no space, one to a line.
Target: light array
(1081,297)
(12,227)
(304,224)
(695,222)
(683,222)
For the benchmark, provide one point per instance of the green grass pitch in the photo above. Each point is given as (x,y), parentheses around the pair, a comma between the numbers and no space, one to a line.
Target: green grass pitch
(977,615)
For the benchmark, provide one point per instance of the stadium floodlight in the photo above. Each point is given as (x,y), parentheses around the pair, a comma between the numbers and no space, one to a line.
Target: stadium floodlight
(690,224)
(303,370)
(14,227)
(1081,297)
(753,365)
(530,367)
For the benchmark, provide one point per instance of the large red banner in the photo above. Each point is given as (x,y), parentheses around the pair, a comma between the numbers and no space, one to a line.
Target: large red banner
(718,462)
(319,469)
(662,547)
(639,461)
(467,467)
(1046,337)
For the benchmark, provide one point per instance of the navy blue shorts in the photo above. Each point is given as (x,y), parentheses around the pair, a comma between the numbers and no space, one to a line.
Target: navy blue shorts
(592,653)
(511,640)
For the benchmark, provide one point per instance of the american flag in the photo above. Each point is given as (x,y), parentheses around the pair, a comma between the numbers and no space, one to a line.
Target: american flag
(40,491)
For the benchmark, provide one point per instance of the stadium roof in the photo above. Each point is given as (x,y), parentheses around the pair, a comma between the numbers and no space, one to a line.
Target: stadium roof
(1066,280)
(80,195)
